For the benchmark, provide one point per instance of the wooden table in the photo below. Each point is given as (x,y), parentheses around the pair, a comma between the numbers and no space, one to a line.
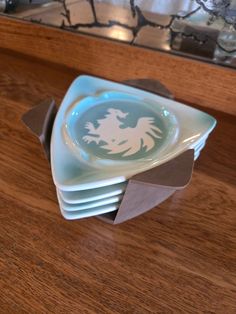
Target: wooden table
(177,258)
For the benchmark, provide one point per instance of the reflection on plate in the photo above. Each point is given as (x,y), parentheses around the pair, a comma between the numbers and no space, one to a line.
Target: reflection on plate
(90,145)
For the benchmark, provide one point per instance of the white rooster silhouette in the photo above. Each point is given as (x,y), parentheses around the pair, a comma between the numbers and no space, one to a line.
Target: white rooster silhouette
(120,139)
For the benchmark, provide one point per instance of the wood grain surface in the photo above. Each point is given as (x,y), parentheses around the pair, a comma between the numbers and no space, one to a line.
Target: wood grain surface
(189,80)
(177,258)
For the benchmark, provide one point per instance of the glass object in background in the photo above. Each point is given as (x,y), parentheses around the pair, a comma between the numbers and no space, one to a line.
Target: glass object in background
(8,5)
(198,28)
(226,48)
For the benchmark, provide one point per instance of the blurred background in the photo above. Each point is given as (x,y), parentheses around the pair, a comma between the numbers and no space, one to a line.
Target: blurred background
(203,29)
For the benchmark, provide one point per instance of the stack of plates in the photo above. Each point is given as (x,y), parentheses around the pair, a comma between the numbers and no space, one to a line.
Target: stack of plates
(104,133)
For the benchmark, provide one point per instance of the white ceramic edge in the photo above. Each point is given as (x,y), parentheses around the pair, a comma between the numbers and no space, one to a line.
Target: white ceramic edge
(197,152)
(90,199)
(76,215)
(89,205)
(88,213)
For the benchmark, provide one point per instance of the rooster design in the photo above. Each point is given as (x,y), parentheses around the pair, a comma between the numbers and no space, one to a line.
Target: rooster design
(121,139)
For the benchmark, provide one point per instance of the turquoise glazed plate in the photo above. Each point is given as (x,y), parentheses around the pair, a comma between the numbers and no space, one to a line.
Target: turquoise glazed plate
(89,205)
(118,130)
(79,214)
(105,132)
(81,197)
(88,212)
